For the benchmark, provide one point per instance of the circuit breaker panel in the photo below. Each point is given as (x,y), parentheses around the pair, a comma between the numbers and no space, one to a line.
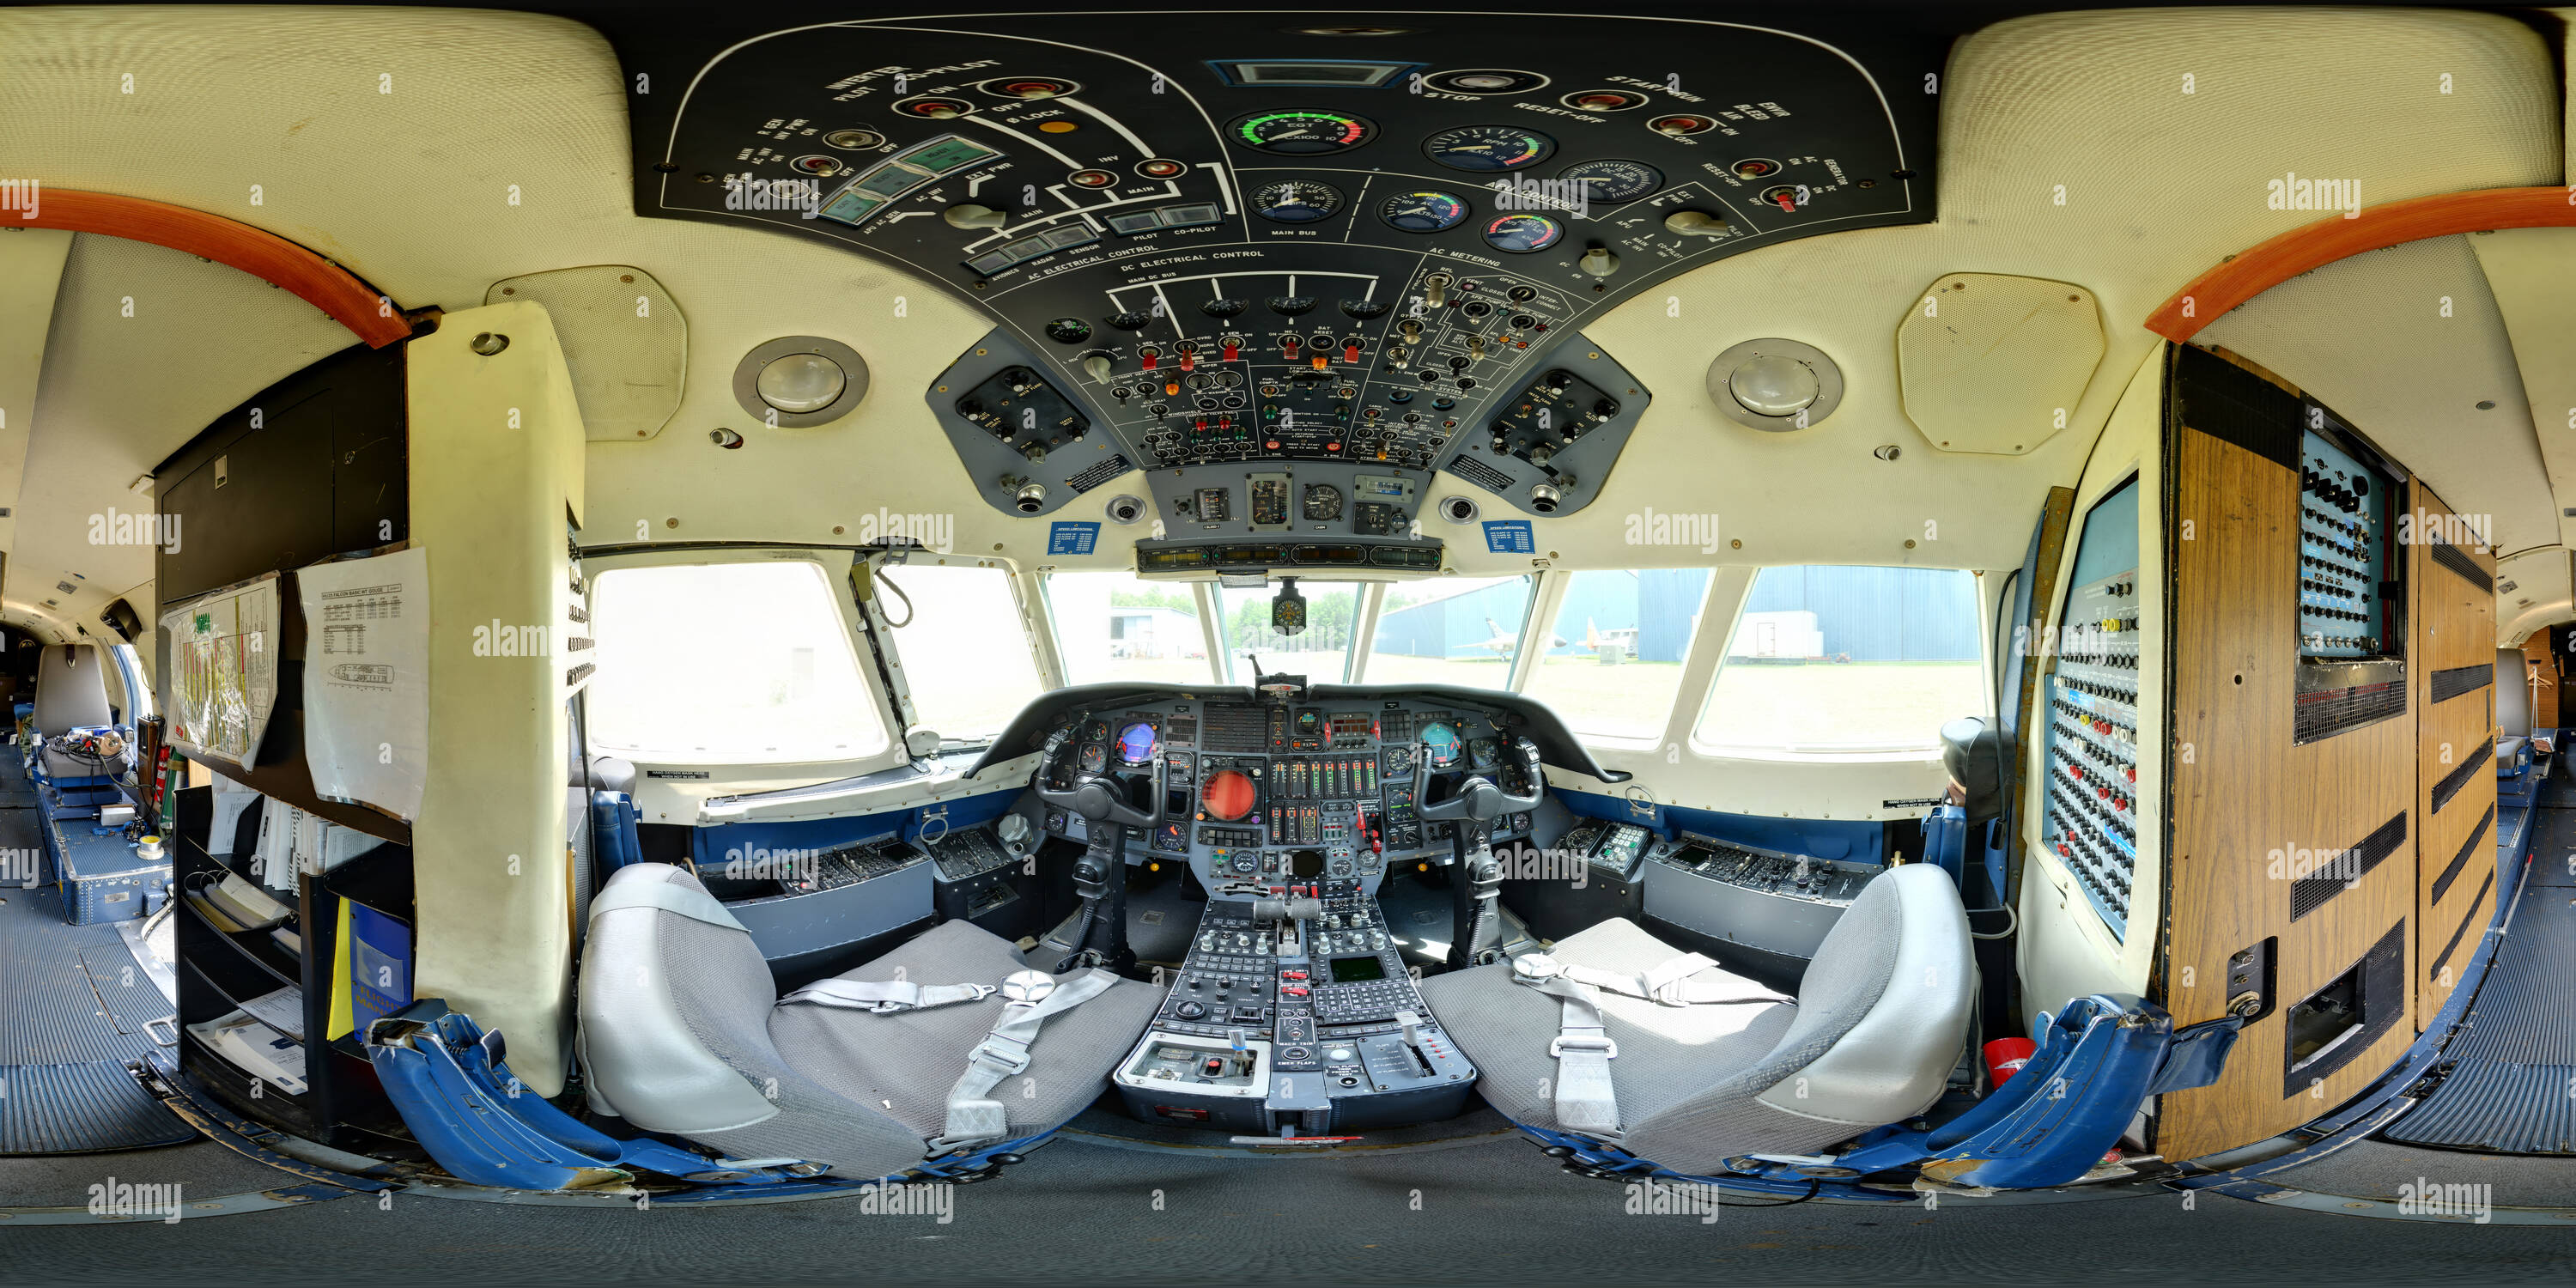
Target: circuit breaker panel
(2350,594)
(2092,809)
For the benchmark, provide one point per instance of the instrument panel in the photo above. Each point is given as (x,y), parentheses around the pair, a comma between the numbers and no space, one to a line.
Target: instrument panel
(1279,794)
(1211,239)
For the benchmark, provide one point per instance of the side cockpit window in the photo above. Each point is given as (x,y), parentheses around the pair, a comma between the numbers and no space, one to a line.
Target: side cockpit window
(729,663)
(1832,659)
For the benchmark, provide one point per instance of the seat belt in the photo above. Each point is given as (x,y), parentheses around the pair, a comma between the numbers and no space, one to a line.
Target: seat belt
(974,1117)
(886,997)
(1586,1101)
(1669,984)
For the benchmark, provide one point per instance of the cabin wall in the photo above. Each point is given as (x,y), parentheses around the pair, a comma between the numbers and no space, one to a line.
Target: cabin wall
(2255,811)
(2454,628)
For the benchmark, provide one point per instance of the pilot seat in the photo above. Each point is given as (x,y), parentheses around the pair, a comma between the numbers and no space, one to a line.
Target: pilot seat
(950,1047)
(71,693)
(1614,1037)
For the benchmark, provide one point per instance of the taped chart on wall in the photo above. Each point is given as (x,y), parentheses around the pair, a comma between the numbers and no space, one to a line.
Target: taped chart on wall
(223,670)
(366,679)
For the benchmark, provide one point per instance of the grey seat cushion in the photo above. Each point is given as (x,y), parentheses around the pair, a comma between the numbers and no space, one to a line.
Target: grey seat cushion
(679,1016)
(903,1064)
(1665,1052)
(1881,1020)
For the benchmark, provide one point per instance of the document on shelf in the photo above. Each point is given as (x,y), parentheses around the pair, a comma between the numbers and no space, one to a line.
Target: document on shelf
(366,679)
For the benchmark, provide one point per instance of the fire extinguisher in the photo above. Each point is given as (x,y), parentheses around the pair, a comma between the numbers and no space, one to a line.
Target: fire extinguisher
(2006,1056)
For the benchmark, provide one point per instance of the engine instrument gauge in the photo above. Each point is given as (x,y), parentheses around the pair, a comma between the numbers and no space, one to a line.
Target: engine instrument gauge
(1323,502)
(1613,180)
(1523,234)
(1301,133)
(1488,148)
(1095,757)
(1297,201)
(1423,212)
(1136,743)
(1439,745)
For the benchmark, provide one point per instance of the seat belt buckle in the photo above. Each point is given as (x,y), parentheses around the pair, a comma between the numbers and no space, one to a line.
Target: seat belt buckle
(991,1055)
(1600,1046)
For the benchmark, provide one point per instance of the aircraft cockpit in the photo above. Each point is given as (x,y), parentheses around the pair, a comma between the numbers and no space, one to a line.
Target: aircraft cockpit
(1937,615)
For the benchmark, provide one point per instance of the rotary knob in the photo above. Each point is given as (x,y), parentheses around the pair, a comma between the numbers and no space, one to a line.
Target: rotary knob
(1189,1010)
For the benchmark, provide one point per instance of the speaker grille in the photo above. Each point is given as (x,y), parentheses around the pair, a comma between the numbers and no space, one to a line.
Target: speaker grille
(2461,679)
(2345,870)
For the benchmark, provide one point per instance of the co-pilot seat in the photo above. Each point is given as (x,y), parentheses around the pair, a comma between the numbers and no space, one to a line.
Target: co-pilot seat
(1708,1066)
(683,1032)
(2513,710)
(71,693)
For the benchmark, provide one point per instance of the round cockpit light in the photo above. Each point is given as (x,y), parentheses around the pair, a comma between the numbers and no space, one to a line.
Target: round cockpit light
(1776,385)
(1773,384)
(799,381)
(802,382)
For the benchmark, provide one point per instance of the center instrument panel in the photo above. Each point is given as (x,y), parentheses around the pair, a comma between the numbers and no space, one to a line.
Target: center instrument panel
(1217,240)
(1277,794)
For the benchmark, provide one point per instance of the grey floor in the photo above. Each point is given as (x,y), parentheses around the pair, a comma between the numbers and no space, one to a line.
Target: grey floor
(73,1011)
(2508,1093)
(1486,1214)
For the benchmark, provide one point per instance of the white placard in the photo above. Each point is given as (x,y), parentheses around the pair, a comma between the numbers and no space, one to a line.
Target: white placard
(366,679)
(223,670)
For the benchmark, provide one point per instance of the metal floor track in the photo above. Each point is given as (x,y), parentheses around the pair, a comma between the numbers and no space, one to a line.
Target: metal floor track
(2507,1093)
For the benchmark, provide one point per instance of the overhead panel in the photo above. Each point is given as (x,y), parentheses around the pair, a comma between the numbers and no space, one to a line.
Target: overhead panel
(1322,258)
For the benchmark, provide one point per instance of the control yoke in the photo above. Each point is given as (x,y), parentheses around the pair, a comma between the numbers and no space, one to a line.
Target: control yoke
(1100,876)
(1476,882)
(1482,801)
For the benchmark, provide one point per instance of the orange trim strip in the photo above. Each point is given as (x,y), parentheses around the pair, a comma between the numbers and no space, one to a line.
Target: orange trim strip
(264,255)
(2249,273)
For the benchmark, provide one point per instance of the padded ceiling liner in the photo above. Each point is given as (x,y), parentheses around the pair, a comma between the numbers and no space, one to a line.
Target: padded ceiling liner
(2069,153)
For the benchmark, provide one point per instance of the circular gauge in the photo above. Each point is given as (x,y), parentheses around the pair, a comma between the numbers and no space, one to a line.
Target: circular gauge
(1486,81)
(1613,180)
(1297,201)
(1423,212)
(1096,731)
(1136,743)
(1094,758)
(1301,133)
(1523,234)
(1483,752)
(1323,502)
(1310,721)
(1439,745)
(1228,795)
(1488,148)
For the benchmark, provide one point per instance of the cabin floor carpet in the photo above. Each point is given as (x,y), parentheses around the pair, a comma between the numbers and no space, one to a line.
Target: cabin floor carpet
(1482,1215)
(2507,1094)
(72,1014)
(2378,1169)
